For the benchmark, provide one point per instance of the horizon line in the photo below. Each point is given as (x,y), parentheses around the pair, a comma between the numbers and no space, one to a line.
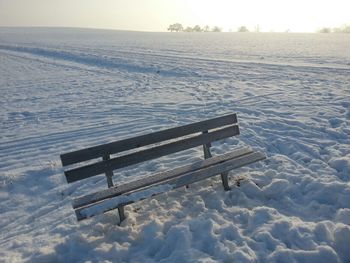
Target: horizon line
(149,31)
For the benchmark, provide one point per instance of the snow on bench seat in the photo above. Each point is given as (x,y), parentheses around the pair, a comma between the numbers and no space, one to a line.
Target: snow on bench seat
(204,170)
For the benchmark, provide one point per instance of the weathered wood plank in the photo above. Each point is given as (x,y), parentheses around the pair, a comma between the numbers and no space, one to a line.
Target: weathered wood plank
(177,182)
(148,154)
(218,169)
(144,140)
(156,178)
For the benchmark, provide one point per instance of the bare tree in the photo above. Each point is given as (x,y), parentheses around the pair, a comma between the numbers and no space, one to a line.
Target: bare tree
(188,29)
(243,29)
(216,29)
(197,28)
(325,30)
(177,27)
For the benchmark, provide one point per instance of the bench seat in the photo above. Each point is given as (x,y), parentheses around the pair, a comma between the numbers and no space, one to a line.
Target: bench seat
(114,197)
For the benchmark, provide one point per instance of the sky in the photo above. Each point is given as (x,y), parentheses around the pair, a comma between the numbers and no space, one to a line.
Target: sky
(157,15)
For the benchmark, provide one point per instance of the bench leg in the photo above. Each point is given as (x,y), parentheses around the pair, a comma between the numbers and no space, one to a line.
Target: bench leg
(206,148)
(109,173)
(224,178)
(109,181)
(121,214)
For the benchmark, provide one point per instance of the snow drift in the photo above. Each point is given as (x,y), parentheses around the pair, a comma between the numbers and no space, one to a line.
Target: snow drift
(64,89)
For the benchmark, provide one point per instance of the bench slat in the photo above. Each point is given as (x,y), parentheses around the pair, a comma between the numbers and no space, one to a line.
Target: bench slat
(148,154)
(156,178)
(144,140)
(183,180)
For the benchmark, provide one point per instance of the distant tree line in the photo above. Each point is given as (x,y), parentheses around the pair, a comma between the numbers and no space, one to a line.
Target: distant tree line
(343,29)
(242,29)
(177,27)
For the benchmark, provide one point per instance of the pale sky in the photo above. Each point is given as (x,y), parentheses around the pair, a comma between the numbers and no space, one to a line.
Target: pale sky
(156,15)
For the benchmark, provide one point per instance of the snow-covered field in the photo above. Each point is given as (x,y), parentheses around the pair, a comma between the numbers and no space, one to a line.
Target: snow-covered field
(65,89)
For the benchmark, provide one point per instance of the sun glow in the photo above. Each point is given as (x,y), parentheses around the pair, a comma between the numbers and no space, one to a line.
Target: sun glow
(157,15)
(268,15)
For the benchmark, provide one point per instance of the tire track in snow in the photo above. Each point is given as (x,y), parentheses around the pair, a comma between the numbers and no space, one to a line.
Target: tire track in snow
(139,62)
(115,62)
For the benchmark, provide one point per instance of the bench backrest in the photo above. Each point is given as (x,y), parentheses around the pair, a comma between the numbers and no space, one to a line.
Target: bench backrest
(199,133)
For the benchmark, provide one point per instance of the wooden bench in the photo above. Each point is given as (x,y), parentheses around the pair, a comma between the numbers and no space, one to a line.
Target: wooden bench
(172,140)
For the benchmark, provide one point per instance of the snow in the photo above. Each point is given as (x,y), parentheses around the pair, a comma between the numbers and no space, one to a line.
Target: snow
(341,164)
(65,89)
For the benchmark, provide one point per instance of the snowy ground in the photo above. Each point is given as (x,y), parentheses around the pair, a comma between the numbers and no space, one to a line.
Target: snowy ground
(62,90)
